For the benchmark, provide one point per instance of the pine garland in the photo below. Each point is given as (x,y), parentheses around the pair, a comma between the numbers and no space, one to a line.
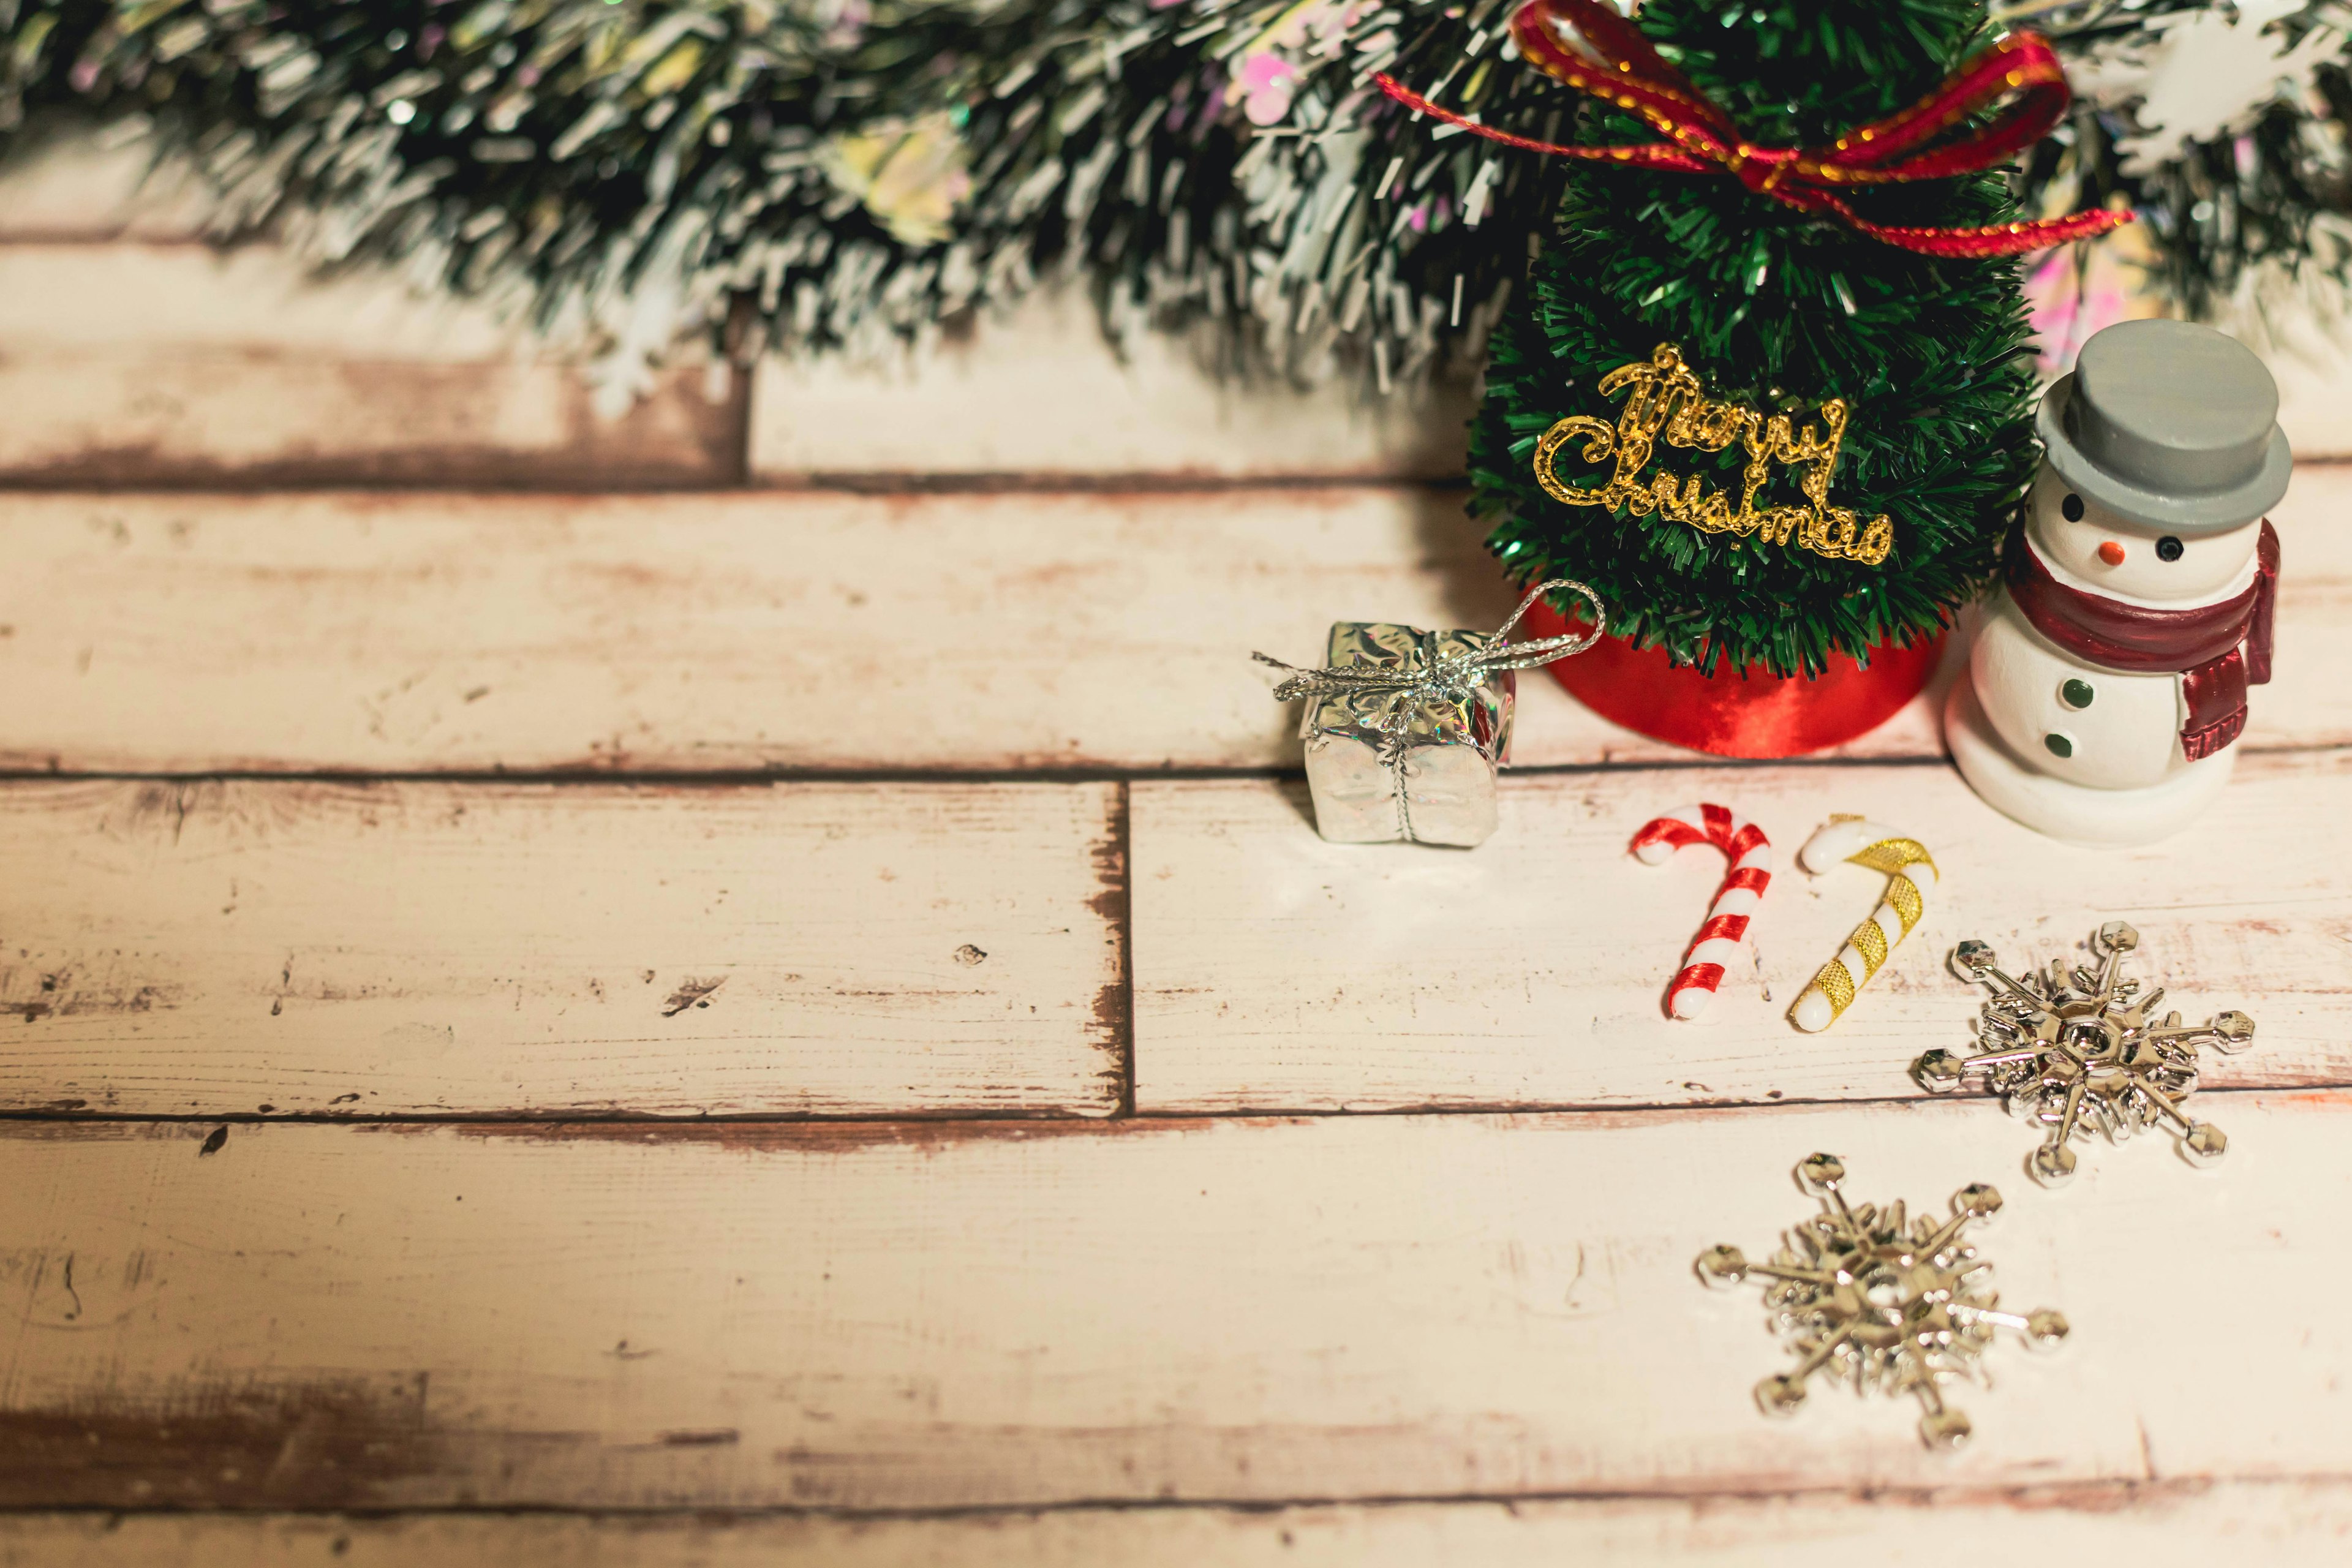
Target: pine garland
(622,168)
(627,169)
(2271,190)
(827,174)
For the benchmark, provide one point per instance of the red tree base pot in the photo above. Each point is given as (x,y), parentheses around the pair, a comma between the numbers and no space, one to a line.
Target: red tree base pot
(1735,713)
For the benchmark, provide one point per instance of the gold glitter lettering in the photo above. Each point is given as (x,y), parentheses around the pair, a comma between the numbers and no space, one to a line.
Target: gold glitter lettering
(1665,402)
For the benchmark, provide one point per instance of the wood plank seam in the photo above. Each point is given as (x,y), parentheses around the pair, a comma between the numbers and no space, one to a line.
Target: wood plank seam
(974,1126)
(2102,1496)
(735,461)
(732,477)
(1015,482)
(736,778)
(736,477)
(1115,1011)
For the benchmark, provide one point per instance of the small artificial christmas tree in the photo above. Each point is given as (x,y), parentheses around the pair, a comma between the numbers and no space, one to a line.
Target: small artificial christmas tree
(1905,379)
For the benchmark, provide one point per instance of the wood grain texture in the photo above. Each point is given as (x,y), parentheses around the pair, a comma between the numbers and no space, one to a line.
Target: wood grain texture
(1036,392)
(671,633)
(59,184)
(1275,971)
(350,632)
(1466,1337)
(404,949)
(2288,1523)
(893,1316)
(170,364)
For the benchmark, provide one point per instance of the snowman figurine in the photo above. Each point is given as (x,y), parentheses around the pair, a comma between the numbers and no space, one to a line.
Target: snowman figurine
(2108,675)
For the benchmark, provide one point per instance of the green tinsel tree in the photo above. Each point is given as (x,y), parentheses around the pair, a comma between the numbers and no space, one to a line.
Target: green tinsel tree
(1781,311)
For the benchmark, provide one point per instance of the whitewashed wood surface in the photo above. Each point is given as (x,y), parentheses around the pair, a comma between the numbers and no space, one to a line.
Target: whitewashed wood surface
(1274,971)
(164,362)
(256,947)
(133,354)
(239,947)
(735,631)
(964,633)
(2292,1524)
(1000,1201)
(1033,392)
(889,1316)
(63,183)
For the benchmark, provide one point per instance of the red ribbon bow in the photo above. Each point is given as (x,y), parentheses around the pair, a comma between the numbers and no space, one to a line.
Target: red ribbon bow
(1593,49)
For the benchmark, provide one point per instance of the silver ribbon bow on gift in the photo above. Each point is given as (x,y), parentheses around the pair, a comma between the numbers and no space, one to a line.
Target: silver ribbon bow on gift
(1448,677)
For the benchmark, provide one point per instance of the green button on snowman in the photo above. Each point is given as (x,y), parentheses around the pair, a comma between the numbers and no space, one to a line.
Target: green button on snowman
(2108,678)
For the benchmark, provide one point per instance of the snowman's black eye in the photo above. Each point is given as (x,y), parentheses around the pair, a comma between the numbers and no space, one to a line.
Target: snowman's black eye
(2168,548)
(2072,509)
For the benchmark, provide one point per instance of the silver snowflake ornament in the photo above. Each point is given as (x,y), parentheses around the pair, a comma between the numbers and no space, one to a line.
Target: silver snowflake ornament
(1872,1297)
(2074,1049)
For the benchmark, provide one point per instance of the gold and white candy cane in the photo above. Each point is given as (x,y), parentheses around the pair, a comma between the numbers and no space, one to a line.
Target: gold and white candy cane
(1882,849)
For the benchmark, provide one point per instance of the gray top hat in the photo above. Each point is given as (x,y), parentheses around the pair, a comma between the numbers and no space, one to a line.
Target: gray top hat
(2168,424)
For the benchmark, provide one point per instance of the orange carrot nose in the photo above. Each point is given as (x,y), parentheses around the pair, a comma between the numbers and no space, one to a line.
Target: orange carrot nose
(2112,553)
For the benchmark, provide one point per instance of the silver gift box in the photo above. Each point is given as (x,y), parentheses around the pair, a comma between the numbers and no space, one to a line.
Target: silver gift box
(1386,766)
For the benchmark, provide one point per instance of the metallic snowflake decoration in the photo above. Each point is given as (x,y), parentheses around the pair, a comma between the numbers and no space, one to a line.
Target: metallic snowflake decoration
(1881,1302)
(2073,1050)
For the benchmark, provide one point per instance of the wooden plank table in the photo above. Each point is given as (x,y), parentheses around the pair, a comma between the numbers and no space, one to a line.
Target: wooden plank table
(553,1022)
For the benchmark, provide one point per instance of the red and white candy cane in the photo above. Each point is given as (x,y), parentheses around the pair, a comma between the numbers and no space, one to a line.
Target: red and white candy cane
(1718,942)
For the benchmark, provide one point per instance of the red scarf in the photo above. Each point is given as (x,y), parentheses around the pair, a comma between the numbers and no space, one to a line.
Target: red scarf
(2200,644)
